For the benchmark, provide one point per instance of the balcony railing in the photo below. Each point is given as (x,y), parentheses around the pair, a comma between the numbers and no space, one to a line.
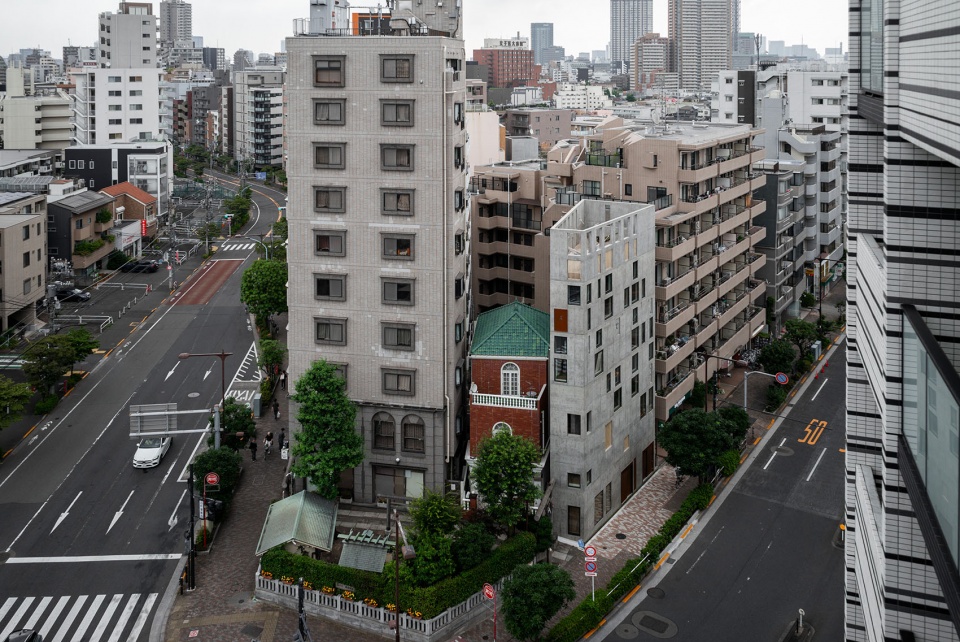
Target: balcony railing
(662,202)
(505,401)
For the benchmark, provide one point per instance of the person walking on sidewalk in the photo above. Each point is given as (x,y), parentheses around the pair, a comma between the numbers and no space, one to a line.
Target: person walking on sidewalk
(276,409)
(267,444)
(283,380)
(282,440)
(253,447)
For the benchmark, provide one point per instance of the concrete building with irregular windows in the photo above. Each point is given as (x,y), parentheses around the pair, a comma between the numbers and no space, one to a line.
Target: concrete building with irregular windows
(902,498)
(379,236)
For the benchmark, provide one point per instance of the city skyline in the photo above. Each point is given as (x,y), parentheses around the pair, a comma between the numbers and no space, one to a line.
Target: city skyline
(821,24)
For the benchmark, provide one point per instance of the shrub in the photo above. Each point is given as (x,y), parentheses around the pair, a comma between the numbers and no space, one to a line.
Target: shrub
(434,561)
(46,404)
(471,545)
(807,300)
(729,462)
(543,530)
(104,216)
(203,535)
(804,365)
(116,259)
(699,394)
(776,395)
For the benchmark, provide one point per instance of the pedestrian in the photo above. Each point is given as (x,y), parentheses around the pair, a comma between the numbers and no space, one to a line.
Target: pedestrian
(253,447)
(282,440)
(267,444)
(283,380)
(276,409)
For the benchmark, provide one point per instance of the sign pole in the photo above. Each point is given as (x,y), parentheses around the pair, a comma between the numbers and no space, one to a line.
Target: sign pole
(494,617)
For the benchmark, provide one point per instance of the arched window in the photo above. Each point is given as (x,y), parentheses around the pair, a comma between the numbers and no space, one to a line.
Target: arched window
(510,379)
(414,434)
(501,426)
(384,430)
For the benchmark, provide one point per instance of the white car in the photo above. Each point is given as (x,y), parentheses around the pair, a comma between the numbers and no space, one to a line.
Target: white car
(150,451)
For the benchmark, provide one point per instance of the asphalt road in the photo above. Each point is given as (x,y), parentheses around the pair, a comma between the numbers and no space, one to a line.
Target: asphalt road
(771,547)
(88,544)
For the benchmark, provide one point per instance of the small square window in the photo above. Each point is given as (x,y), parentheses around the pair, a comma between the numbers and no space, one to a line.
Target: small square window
(331,331)
(573,480)
(328,71)
(329,242)
(396,113)
(329,155)
(394,68)
(397,202)
(328,112)
(399,382)
(399,336)
(330,287)
(628,189)
(398,291)
(396,246)
(329,199)
(573,424)
(573,295)
(560,370)
(397,158)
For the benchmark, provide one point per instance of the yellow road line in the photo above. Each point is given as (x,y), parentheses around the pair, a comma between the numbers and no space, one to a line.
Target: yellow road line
(843,450)
(32,428)
(589,633)
(631,593)
(770,425)
(803,379)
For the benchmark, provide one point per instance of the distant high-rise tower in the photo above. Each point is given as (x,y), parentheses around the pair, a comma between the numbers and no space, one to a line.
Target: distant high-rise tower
(629,19)
(176,22)
(541,37)
(701,36)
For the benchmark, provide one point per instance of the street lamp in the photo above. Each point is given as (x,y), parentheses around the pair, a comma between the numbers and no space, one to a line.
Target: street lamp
(407,553)
(223,380)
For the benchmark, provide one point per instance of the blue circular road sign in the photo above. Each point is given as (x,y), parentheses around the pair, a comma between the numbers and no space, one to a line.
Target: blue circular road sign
(782,378)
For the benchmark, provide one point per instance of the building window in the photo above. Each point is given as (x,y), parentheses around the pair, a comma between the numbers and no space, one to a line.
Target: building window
(608,435)
(573,480)
(398,158)
(459,286)
(329,199)
(635,386)
(608,307)
(394,68)
(329,155)
(458,243)
(591,188)
(384,430)
(26,259)
(510,379)
(598,363)
(328,112)
(573,295)
(330,287)
(559,345)
(397,202)
(560,370)
(502,426)
(458,330)
(26,286)
(628,189)
(399,382)
(398,291)
(396,113)
(414,433)
(329,243)
(328,71)
(617,398)
(26,232)
(397,246)
(399,336)
(573,424)
(136,92)
(573,520)
(331,331)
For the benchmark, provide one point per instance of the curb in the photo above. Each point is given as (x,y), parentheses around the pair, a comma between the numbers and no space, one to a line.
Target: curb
(165,608)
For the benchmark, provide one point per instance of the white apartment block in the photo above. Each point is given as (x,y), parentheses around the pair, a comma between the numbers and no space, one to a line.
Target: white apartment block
(602,428)
(128,38)
(702,35)
(379,234)
(902,548)
(258,115)
(578,96)
(37,121)
(116,105)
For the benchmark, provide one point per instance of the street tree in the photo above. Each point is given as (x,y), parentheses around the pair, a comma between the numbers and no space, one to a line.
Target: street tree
(236,424)
(328,442)
(226,463)
(532,596)
(693,441)
(801,334)
(733,422)
(436,512)
(47,360)
(777,356)
(264,288)
(83,344)
(504,476)
(272,354)
(13,399)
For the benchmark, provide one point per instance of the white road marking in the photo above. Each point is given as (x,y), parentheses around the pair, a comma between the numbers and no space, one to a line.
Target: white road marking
(119,513)
(77,559)
(6,606)
(819,389)
(88,618)
(38,612)
(64,514)
(12,624)
(775,453)
(71,616)
(822,453)
(59,606)
(170,374)
(124,616)
(173,516)
(105,618)
(23,529)
(142,618)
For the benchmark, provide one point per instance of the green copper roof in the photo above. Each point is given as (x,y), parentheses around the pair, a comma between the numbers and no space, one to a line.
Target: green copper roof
(512,330)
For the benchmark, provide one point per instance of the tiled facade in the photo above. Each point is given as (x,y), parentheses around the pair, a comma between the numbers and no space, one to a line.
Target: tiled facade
(904,194)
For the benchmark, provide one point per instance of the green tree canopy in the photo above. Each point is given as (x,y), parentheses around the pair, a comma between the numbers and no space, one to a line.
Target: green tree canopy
(471,545)
(83,344)
(503,476)
(272,355)
(734,422)
(801,334)
(13,399)
(436,512)
(226,463)
(328,442)
(234,419)
(777,356)
(264,288)
(694,441)
(434,561)
(47,360)
(532,596)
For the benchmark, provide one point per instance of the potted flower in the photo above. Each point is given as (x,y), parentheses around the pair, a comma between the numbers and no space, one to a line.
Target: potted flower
(417,615)
(307,586)
(369,601)
(348,595)
(286,579)
(391,607)
(328,590)
(267,575)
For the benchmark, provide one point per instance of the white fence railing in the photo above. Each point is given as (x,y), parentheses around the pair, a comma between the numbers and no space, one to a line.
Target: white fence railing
(359,615)
(504,401)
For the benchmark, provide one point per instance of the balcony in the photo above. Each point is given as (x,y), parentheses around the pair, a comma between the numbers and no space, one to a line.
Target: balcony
(662,202)
(675,248)
(672,356)
(506,401)
(733,162)
(673,393)
(707,263)
(832,235)
(758,319)
(707,327)
(703,295)
(696,173)
(755,289)
(700,203)
(732,216)
(672,320)
(669,287)
(603,159)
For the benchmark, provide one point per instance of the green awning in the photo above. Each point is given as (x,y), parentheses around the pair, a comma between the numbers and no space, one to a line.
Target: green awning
(305,519)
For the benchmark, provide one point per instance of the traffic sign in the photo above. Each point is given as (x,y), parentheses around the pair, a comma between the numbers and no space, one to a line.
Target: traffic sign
(589,574)
(590,567)
(489,592)
(211,479)
(590,551)
(782,378)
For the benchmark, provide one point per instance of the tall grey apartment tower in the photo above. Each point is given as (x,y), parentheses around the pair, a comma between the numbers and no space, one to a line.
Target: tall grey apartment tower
(379,232)
(541,37)
(629,19)
(701,38)
(903,390)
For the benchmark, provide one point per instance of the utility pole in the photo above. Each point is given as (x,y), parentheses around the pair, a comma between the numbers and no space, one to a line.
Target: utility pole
(192,555)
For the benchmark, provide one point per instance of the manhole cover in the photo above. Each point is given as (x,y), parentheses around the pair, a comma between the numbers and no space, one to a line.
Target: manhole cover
(627,631)
(654,624)
(656,593)
(193,395)
(621,536)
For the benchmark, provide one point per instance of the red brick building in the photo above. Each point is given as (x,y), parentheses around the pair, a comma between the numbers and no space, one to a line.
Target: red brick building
(509,358)
(508,67)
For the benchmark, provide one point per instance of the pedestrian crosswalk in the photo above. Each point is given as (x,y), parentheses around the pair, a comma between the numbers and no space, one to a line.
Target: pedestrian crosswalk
(79,618)
(236,247)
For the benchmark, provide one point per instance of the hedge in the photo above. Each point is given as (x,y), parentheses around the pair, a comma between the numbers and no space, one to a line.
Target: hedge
(588,614)
(431,600)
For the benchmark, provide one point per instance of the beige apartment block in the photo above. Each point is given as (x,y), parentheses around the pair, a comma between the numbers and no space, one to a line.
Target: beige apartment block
(378,248)
(23,256)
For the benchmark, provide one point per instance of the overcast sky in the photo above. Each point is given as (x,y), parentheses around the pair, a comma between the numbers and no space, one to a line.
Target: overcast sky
(260,25)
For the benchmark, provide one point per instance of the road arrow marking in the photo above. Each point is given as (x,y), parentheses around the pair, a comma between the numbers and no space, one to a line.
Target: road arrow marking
(64,514)
(207,373)
(173,516)
(169,374)
(117,515)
